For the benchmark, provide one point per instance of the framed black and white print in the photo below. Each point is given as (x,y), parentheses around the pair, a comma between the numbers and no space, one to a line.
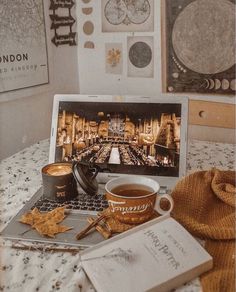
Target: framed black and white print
(23,49)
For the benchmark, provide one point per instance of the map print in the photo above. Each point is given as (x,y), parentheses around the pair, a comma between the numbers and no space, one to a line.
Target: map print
(127,15)
(23,51)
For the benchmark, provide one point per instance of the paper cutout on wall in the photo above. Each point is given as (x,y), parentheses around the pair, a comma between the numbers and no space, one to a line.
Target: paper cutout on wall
(87,10)
(200,46)
(140,56)
(88,27)
(126,15)
(114,58)
(62,24)
(89,45)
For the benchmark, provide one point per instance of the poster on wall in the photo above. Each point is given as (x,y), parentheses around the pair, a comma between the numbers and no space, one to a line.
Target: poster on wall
(23,49)
(200,46)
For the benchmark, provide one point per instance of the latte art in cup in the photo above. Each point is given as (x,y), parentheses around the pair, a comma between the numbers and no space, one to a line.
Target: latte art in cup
(58,170)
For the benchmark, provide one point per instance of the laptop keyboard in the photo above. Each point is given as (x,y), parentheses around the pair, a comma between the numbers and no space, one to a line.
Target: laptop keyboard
(83,202)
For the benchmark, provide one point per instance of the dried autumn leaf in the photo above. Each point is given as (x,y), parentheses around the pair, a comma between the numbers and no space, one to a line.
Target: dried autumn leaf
(57,215)
(116,226)
(46,223)
(32,217)
(63,228)
(27,218)
(112,224)
(50,228)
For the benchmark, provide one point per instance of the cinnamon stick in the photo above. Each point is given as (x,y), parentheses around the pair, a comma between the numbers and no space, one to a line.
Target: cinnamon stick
(102,230)
(88,228)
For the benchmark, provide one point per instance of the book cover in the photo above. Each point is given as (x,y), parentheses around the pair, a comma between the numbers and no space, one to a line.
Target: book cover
(156,256)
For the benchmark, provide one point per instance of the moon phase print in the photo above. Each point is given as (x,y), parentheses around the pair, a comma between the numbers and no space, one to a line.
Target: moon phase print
(199,45)
(140,56)
(127,15)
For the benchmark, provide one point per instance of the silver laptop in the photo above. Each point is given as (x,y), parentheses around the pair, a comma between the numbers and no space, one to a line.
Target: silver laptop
(127,135)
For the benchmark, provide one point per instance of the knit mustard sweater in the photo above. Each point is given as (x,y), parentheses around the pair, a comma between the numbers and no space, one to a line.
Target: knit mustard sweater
(205,206)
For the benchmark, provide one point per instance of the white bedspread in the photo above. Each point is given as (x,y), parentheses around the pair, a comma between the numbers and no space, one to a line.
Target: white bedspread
(47,270)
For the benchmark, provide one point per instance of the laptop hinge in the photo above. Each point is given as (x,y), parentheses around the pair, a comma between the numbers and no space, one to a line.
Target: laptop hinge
(163,190)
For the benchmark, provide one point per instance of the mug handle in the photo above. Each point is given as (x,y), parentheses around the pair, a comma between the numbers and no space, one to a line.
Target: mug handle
(158,201)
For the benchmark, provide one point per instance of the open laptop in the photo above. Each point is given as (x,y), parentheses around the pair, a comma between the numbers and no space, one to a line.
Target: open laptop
(129,135)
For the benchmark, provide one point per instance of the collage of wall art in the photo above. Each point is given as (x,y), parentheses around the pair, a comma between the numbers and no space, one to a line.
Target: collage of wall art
(129,16)
(124,16)
(197,44)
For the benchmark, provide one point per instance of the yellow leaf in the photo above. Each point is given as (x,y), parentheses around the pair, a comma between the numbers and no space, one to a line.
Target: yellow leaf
(46,224)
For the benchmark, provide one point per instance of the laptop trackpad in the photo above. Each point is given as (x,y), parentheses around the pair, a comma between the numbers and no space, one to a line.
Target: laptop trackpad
(19,231)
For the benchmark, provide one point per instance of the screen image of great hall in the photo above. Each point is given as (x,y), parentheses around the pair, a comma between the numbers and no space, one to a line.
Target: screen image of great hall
(142,138)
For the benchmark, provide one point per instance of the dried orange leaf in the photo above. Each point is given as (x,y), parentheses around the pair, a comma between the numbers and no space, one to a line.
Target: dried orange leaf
(27,218)
(50,228)
(43,228)
(57,215)
(46,223)
(63,228)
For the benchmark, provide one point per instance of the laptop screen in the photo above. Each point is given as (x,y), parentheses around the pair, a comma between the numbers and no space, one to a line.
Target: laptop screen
(124,136)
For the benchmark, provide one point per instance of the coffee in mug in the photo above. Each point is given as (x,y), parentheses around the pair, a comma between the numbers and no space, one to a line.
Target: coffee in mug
(58,182)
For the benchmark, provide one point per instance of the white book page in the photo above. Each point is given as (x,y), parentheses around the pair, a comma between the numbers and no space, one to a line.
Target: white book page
(144,259)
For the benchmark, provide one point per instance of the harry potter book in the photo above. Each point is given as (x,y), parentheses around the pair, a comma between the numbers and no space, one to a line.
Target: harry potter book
(156,256)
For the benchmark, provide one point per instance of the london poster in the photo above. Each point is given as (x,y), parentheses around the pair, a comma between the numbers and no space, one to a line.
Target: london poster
(23,49)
